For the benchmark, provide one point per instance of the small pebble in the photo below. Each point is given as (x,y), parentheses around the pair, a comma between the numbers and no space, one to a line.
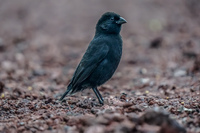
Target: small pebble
(180,73)
(2,95)
(145,80)
(143,71)
(30,88)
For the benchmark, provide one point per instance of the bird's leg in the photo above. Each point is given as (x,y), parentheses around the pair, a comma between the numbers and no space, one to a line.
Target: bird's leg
(98,95)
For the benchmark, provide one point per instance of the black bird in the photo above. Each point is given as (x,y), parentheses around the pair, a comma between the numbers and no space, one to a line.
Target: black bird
(101,57)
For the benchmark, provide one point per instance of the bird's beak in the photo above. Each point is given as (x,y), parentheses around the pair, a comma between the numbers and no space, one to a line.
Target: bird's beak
(121,21)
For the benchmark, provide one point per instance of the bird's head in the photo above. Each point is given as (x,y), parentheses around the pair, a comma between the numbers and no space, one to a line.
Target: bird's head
(110,23)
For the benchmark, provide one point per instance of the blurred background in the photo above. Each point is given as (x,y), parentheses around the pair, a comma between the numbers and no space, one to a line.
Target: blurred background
(50,37)
(37,35)
(42,41)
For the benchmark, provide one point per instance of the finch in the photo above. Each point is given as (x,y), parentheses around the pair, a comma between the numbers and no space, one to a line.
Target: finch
(101,58)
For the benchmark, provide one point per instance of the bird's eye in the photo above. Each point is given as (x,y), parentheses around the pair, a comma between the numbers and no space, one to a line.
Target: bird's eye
(112,19)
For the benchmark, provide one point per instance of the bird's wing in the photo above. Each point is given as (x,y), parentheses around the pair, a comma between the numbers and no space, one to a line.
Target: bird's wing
(91,59)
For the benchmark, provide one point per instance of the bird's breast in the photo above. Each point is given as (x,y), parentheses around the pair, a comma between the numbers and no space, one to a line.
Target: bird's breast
(115,51)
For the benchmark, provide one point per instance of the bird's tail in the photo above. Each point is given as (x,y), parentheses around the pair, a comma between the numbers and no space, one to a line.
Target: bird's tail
(67,92)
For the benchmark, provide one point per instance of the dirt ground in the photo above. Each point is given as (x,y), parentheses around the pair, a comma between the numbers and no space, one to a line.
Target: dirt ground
(156,88)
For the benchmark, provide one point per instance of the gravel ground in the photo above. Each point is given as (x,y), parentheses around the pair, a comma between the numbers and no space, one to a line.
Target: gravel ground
(156,88)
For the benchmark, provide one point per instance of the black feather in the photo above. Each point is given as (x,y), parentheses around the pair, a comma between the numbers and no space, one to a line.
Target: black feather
(101,57)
